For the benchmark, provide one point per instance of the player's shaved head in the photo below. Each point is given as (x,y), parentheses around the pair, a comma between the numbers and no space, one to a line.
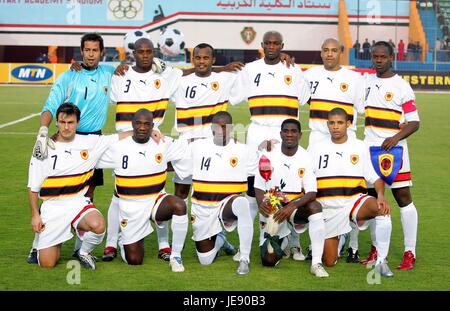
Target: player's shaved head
(292,121)
(142,126)
(203,46)
(273,33)
(143,112)
(222,115)
(338,112)
(331,41)
(143,42)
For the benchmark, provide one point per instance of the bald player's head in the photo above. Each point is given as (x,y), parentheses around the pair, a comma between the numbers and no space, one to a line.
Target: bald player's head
(142,126)
(143,42)
(273,33)
(331,53)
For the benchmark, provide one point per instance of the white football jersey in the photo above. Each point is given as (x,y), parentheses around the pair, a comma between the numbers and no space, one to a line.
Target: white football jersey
(197,99)
(274,92)
(388,103)
(341,171)
(142,90)
(67,170)
(343,88)
(293,175)
(141,169)
(219,171)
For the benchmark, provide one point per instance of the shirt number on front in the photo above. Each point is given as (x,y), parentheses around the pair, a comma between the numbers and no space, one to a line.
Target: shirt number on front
(127,86)
(313,86)
(257,79)
(323,161)
(125,162)
(205,163)
(190,92)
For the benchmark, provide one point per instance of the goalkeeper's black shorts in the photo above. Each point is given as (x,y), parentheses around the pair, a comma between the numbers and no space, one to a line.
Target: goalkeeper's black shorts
(97,178)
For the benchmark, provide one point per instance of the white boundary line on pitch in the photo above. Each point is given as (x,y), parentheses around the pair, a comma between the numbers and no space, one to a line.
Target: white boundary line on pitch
(19,120)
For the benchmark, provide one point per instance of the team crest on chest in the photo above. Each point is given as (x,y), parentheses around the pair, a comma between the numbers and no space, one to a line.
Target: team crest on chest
(157,83)
(84,154)
(105,89)
(158,157)
(215,85)
(288,79)
(233,161)
(301,172)
(388,96)
(192,218)
(124,223)
(344,87)
(354,158)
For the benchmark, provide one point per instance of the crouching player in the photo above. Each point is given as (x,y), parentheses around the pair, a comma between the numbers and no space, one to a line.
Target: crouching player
(342,165)
(62,180)
(140,169)
(220,167)
(292,173)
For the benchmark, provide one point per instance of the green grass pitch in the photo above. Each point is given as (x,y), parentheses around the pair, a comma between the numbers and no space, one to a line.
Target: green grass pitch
(429,151)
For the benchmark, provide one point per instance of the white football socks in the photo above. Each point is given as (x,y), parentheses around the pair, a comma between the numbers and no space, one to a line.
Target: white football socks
(90,241)
(409,218)
(317,236)
(179,231)
(112,230)
(383,229)
(241,209)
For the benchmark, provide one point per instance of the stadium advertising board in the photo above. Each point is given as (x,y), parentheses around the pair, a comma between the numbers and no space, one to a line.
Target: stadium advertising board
(30,73)
(430,80)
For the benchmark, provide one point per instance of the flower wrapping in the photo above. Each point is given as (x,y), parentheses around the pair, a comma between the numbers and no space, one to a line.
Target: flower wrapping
(273,199)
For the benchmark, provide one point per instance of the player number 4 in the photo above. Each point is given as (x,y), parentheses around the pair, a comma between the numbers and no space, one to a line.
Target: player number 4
(257,78)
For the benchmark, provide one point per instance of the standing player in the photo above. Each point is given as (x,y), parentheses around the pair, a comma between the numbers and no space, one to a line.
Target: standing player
(292,173)
(274,93)
(139,88)
(198,98)
(62,180)
(389,102)
(342,166)
(334,86)
(88,90)
(140,168)
(220,167)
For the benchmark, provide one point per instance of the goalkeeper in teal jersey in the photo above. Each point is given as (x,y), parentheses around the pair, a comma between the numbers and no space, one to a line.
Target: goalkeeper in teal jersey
(89,90)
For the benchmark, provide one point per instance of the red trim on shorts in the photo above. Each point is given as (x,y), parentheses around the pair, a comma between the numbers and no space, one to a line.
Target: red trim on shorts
(403,177)
(409,106)
(82,211)
(162,194)
(356,205)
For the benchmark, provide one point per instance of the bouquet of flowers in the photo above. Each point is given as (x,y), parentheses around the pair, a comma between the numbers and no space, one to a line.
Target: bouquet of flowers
(273,199)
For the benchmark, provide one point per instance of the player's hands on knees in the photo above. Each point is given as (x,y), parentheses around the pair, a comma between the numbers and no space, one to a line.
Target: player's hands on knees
(37,224)
(283,213)
(389,143)
(157,136)
(76,66)
(383,206)
(287,59)
(121,70)
(40,150)
(264,210)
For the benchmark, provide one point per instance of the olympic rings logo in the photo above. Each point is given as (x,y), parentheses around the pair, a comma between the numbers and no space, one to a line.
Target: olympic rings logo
(125,8)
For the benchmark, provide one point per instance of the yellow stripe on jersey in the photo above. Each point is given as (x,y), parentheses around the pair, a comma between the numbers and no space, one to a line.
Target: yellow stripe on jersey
(341,182)
(141,181)
(219,187)
(385,114)
(273,101)
(323,105)
(131,107)
(204,111)
(67,181)
(58,186)
(140,186)
(294,195)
